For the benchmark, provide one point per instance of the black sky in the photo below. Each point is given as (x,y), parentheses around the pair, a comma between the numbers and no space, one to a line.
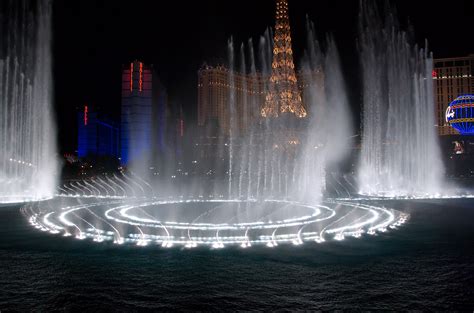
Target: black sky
(93,38)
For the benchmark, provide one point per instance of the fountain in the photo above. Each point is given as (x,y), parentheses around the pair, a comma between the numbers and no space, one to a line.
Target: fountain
(28,166)
(266,182)
(400,154)
(282,155)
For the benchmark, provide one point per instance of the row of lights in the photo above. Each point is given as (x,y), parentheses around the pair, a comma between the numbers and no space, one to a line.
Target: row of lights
(20,162)
(449,77)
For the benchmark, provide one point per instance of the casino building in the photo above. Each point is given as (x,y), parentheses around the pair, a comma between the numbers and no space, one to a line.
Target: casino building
(144,113)
(97,135)
(452,77)
(214,90)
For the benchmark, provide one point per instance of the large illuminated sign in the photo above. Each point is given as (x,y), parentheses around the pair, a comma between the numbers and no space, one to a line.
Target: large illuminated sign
(460,114)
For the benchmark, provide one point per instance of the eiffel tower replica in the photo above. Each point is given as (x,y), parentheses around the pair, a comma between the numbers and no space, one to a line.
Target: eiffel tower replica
(284,95)
(283,111)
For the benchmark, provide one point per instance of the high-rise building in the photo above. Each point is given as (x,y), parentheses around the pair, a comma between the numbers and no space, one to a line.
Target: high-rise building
(452,77)
(144,113)
(97,136)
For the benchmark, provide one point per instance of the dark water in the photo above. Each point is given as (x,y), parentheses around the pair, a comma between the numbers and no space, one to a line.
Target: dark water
(427,265)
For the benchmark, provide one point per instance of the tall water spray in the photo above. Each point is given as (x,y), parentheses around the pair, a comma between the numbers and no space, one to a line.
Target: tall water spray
(400,153)
(286,157)
(328,140)
(28,165)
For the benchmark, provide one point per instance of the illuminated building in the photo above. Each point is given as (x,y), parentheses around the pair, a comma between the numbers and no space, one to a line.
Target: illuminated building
(452,77)
(96,136)
(144,113)
(214,90)
(214,95)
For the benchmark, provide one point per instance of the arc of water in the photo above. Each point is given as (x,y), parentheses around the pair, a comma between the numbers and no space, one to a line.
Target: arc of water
(109,186)
(135,183)
(124,193)
(63,191)
(126,184)
(78,186)
(145,182)
(119,237)
(96,191)
(97,184)
(70,189)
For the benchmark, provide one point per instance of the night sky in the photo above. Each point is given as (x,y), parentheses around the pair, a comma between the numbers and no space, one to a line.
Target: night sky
(93,38)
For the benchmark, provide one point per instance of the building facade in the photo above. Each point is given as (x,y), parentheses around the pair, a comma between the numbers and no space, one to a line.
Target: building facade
(144,113)
(452,77)
(96,136)
(216,86)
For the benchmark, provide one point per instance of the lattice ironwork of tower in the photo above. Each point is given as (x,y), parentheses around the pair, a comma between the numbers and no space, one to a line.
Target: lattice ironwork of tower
(284,95)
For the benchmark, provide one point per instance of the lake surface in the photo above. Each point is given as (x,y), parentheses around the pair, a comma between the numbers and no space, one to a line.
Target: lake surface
(428,264)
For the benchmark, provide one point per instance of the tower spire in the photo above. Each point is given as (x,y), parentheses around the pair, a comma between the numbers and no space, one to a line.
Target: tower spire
(283,95)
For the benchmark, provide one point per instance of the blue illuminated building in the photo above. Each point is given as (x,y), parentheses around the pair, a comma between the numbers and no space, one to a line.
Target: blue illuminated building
(460,114)
(144,114)
(96,136)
